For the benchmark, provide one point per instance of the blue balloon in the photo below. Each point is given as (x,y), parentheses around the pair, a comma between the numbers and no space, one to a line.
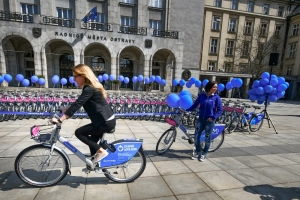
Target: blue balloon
(274,82)
(251,92)
(260,102)
(75,83)
(158,79)
(272,98)
(193,80)
(34,79)
(1,79)
(182,82)
(7,77)
(71,79)
(264,81)
(185,92)
(185,101)
(287,84)
(281,87)
(112,77)
(25,82)
(205,81)
(273,76)
(221,87)
(100,78)
(281,80)
(126,80)
(134,79)
(140,78)
(55,79)
(265,75)
(175,82)
(198,83)
(268,88)
(19,77)
(228,86)
(147,80)
(188,84)
(253,97)
(121,78)
(163,82)
(259,90)
(274,91)
(41,81)
(280,94)
(63,81)
(256,84)
(152,78)
(173,100)
(105,77)
(233,82)
(261,97)
(238,82)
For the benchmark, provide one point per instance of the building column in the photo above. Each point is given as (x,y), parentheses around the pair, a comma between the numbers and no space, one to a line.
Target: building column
(146,72)
(178,70)
(213,78)
(246,88)
(77,57)
(229,93)
(113,67)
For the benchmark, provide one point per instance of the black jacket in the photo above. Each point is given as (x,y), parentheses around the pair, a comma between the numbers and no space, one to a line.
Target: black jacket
(93,103)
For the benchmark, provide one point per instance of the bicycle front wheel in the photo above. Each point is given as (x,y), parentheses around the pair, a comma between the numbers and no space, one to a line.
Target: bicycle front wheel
(215,143)
(165,141)
(34,167)
(255,126)
(128,171)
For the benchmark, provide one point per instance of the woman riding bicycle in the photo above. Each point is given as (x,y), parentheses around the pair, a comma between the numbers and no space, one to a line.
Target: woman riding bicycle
(210,109)
(93,100)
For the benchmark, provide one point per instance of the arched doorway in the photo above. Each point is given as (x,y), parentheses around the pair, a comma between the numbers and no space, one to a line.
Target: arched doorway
(126,70)
(29,65)
(66,64)
(98,65)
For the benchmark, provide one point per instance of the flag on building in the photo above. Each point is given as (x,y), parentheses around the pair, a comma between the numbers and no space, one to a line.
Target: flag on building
(91,15)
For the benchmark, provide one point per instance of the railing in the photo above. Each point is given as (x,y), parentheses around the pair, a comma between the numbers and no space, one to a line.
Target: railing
(14,16)
(57,21)
(97,26)
(165,34)
(133,30)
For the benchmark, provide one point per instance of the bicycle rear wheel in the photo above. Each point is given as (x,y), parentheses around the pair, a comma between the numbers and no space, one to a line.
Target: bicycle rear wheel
(128,171)
(32,167)
(255,126)
(165,141)
(215,143)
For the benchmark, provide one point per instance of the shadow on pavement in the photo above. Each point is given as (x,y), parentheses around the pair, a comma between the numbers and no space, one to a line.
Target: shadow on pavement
(274,193)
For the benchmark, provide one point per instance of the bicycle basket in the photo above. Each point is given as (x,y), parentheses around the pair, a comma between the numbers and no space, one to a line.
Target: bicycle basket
(36,135)
(34,131)
(170,121)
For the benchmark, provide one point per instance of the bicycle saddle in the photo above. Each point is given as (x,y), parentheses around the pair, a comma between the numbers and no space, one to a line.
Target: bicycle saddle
(111,131)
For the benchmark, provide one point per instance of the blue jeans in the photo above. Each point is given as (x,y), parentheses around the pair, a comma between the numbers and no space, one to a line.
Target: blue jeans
(202,125)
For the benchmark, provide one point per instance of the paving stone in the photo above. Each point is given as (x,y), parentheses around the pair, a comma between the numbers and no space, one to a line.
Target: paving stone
(279,174)
(239,194)
(275,191)
(253,161)
(228,163)
(202,196)
(171,167)
(292,168)
(277,160)
(197,166)
(75,192)
(19,193)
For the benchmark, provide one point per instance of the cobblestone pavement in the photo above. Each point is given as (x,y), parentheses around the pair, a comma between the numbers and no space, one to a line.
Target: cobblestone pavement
(260,165)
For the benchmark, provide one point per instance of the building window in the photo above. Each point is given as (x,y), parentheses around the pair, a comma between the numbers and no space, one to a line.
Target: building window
(213,45)
(128,1)
(218,3)
(232,25)
(127,21)
(155,24)
(235,4)
(263,29)
(245,48)
(229,47)
(212,66)
(266,9)
(289,70)
(275,47)
(292,50)
(98,65)
(64,13)
(228,67)
(156,3)
(295,29)
(277,30)
(30,9)
(216,23)
(280,11)
(248,28)
(260,48)
(251,6)
(100,18)
(243,68)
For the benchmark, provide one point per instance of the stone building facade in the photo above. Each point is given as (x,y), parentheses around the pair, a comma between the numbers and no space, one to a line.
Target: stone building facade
(129,38)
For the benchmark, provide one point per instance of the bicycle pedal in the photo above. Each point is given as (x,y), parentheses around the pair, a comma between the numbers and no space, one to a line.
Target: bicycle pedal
(85,170)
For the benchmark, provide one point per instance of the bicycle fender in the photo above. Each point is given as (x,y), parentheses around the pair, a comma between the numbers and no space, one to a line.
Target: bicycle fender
(125,150)
(218,129)
(257,118)
(64,153)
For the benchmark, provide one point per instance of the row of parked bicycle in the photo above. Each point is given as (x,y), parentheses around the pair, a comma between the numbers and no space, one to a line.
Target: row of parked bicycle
(234,114)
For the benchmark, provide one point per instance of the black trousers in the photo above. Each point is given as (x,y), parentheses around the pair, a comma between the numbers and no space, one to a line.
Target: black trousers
(90,134)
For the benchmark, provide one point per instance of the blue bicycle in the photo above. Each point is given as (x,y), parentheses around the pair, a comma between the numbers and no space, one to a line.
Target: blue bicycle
(168,137)
(46,164)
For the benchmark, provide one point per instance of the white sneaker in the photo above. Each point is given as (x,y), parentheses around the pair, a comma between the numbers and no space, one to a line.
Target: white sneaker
(100,156)
(202,158)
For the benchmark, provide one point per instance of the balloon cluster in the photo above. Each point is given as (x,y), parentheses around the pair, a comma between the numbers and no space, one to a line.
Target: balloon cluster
(272,86)
(183,100)
(188,84)
(234,83)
